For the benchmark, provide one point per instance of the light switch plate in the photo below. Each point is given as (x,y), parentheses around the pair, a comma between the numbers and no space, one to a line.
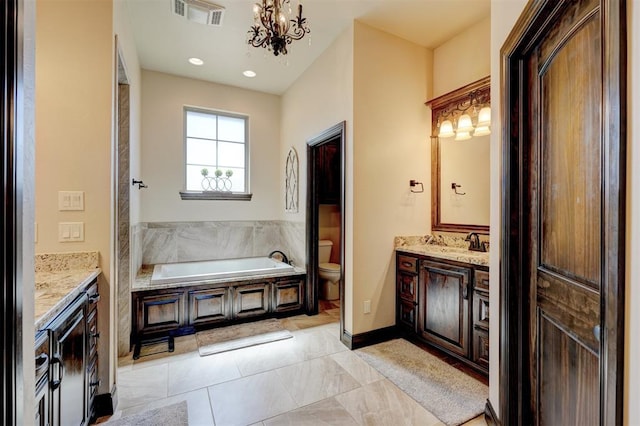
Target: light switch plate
(70,231)
(70,200)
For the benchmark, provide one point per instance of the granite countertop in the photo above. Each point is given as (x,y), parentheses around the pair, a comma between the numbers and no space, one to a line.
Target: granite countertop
(143,279)
(450,247)
(451,253)
(60,278)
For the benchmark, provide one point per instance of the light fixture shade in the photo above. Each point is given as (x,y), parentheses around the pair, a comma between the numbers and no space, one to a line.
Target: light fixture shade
(446,129)
(484,117)
(482,131)
(462,136)
(464,124)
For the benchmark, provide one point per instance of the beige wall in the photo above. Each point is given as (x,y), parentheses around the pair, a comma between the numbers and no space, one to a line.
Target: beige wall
(391,145)
(320,98)
(632,323)
(162,155)
(74,110)
(463,59)
(73,120)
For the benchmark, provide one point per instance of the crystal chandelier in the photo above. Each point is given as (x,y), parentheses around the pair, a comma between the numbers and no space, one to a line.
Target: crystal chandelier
(274,26)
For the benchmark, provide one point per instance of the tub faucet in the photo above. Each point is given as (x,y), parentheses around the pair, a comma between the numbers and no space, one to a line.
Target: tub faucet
(284,256)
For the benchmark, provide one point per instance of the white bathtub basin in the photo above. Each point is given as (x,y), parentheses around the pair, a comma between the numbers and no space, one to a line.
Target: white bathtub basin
(217,269)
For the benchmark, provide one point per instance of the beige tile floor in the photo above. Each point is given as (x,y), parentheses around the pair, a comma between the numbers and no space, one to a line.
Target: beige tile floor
(311,379)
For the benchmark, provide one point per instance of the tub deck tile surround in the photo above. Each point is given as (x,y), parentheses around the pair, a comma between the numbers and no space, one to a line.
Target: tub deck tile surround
(143,279)
(167,242)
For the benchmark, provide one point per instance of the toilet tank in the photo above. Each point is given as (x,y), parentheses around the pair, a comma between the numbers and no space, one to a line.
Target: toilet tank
(324,251)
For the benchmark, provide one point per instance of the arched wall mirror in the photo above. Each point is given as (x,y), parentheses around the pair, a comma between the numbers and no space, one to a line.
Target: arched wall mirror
(460,159)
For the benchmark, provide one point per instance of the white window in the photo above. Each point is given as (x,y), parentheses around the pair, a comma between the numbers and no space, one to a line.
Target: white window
(216,153)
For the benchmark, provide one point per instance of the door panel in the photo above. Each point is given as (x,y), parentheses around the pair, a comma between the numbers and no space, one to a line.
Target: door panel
(566,218)
(563,214)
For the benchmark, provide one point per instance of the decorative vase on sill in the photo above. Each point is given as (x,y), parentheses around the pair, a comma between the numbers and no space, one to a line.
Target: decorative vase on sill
(217,183)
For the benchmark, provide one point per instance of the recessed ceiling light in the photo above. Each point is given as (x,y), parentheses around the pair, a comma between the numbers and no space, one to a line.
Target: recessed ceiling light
(249,73)
(196,61)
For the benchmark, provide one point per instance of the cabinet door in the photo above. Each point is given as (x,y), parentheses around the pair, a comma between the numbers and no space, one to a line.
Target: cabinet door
(159,312)
(407,286)
(481,348)
(251,299)
(208,306)
(444,305)
(68,366)
(288,295)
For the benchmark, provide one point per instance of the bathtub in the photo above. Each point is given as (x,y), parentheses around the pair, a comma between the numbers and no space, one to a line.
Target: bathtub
(217,269)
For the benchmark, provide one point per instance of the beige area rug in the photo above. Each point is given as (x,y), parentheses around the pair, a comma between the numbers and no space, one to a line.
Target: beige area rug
(171,415)
(240,336)
(446,392)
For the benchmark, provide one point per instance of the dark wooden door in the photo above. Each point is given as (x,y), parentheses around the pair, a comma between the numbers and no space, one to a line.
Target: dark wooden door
(563,215)
(566,219)
(443,316)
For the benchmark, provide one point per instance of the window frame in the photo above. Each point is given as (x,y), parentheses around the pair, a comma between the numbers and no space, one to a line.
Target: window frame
(185,194)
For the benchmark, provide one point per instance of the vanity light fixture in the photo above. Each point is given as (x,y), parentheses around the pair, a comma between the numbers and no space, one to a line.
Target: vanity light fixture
(463,116)
(274,27)
(196,61)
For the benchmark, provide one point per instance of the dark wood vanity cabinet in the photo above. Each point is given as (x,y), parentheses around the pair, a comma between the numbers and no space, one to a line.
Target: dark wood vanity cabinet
(446,304)
(67,364)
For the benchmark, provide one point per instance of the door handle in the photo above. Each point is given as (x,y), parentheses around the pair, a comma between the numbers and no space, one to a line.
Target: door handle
(465,292)
(596,332)
(55,384)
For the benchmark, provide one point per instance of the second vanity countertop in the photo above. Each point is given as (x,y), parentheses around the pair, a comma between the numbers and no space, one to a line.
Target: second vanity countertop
(450,247)
(450,253)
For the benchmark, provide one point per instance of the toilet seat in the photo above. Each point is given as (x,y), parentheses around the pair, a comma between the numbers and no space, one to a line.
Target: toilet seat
(329,267)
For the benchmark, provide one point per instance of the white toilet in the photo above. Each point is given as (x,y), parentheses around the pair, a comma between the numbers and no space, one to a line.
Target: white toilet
(329,272)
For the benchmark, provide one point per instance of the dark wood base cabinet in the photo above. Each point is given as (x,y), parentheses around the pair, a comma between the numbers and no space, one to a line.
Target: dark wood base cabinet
(446,304)
(186,309)
(67,364)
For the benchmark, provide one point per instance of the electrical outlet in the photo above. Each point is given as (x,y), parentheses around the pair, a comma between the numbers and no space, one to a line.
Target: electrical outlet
(367,306)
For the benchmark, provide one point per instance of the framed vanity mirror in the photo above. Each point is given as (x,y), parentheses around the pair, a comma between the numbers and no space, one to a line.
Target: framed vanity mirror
(460,159)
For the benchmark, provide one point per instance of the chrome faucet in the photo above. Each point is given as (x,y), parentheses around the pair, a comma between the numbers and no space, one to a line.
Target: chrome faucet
(474,242)
(284,256)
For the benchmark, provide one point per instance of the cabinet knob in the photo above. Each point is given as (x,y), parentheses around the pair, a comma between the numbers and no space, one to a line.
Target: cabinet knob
(95,335)
(596,333)
(94,298)
(95,383)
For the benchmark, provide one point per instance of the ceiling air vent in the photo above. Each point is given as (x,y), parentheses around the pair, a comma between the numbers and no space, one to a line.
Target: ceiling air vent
(200,11)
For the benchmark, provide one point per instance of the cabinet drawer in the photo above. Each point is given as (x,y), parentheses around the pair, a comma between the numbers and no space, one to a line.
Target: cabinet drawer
(481,280)
(42,354)
(407,315)
(481,348)
(408,286)
(93,334)
(481,309)
(407,264)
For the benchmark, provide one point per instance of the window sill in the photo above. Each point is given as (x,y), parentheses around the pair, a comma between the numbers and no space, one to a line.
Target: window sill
(214,195)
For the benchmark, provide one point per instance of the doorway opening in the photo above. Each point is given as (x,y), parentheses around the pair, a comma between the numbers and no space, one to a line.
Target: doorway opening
(325,221)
